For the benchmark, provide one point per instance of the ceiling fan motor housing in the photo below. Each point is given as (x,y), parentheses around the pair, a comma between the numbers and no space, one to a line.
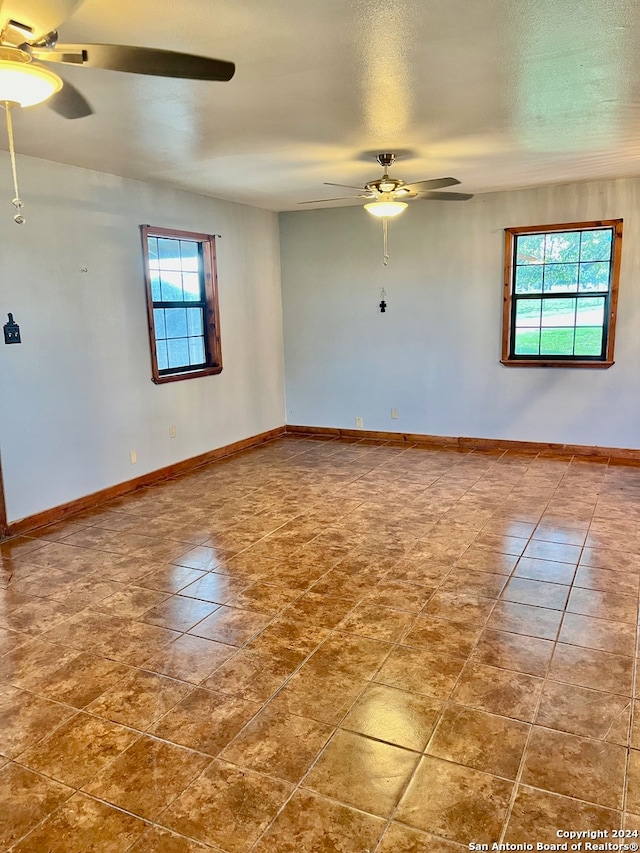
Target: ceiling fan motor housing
(33,19)
(386,160)
(385,184)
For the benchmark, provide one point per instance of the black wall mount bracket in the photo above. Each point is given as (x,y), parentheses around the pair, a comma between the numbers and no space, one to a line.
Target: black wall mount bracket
(11,331)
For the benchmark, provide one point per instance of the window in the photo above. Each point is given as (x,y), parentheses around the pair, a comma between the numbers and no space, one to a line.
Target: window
(182,302)
(561,293)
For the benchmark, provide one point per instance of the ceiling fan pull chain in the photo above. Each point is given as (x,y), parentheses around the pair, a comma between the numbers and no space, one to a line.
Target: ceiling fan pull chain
(17,201)
(385,255)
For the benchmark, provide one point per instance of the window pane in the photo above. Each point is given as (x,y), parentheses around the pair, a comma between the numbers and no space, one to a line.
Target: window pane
(161,355)
(594,276)
(192,287)
(558,312)
(176,320)
(171,286)
(194,321)
(156,293)
(178,350)
(169,253)
(529,279)
(152,244)
(196,350)
(590,311)
(561,277)
(589,341)
(528,312)
(556,341)
(562,247)
(596,245)
(190,255)
(530,249)
(158,322)
(527,341)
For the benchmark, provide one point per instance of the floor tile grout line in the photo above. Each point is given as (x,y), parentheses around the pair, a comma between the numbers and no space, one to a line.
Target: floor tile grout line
(56,728)
(146,732)
(634,685)
(633,676)
(151,825)
(336,728)
(494,605)
(140,734)
(42,821)
(519,773)
(178,477)
(265,704)
(444,707)
(518,780)
(445,704)
(78,791)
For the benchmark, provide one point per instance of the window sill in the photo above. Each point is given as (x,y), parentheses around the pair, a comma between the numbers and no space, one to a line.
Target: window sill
(175,377)
(520,362)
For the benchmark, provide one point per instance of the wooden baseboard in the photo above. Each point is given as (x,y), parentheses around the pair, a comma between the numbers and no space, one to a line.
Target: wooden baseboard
(616,455)
(620,455)
(60,513)
(4,526)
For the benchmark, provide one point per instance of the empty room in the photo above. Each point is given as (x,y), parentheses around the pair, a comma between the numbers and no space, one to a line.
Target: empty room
(319,426)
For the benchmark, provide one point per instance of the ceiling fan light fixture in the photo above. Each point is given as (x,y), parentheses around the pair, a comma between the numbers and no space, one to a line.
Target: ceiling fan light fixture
(385,208)
(25,84)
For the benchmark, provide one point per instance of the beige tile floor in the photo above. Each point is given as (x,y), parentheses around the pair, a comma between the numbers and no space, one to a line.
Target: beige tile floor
(325,645)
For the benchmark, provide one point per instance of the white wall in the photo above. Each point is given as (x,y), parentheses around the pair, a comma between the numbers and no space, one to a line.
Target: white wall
(435,354)
(76,396)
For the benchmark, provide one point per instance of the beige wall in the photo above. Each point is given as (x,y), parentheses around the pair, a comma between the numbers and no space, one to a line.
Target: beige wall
(435,355)
(76,396)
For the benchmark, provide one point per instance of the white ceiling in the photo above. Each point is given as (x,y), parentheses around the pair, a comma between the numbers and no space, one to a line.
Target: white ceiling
(498,93)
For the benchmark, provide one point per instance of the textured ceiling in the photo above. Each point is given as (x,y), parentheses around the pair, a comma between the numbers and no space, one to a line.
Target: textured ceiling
(498,93)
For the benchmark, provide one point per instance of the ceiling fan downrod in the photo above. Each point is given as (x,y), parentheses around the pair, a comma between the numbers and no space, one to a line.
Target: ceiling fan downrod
(17,202)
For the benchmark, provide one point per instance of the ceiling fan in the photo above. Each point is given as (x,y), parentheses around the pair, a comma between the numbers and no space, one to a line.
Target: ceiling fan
(28,32)
(29,37)
(393,192)
(387,196)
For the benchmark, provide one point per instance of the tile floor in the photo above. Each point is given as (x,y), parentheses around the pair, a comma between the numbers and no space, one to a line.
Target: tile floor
(324,645)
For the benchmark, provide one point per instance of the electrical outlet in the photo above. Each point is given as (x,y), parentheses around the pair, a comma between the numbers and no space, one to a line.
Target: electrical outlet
(394,413)
(172,432)
(359,423)
(133,456)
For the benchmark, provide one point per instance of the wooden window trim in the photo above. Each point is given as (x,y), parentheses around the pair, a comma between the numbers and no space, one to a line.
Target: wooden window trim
(213,345)
(616,253)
